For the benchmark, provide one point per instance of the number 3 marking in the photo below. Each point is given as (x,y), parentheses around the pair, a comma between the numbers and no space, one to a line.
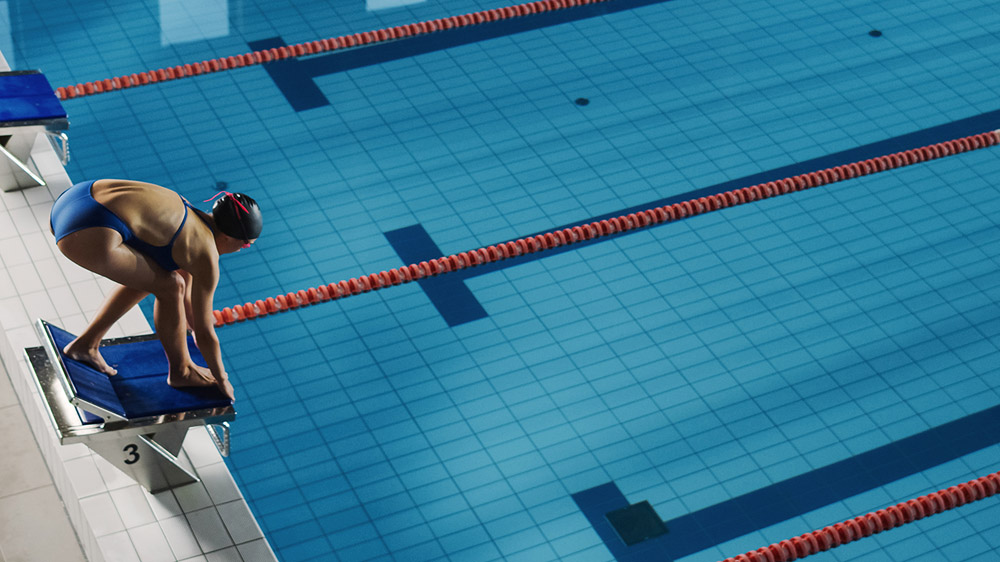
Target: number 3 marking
(132,450)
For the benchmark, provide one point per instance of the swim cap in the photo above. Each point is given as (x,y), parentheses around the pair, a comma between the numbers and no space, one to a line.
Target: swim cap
(238,215)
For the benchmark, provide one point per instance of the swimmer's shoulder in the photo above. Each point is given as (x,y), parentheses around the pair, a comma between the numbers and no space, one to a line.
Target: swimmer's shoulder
(113,187)
(194,249)
(136,197)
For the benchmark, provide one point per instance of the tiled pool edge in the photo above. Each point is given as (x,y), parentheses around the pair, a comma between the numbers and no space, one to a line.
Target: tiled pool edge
(109,511)
(89,486)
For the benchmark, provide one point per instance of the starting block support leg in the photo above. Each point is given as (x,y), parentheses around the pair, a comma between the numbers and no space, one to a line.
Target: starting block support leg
(146,461)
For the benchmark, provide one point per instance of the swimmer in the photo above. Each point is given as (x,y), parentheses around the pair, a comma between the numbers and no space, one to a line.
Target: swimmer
(139,236)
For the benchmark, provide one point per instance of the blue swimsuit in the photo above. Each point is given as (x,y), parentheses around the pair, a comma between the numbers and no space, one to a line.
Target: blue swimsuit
(76,209)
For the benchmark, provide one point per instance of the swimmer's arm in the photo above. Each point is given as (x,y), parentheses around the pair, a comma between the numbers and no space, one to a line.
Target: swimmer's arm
(203,283)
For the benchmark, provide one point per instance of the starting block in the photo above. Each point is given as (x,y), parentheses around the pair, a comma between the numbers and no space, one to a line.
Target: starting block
(28,107)
(135,420)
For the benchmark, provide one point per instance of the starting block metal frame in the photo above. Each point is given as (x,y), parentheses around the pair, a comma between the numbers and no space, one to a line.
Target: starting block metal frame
(146,447)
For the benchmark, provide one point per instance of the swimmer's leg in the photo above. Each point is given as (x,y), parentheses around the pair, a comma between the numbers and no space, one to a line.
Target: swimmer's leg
(101,250)
(85,347)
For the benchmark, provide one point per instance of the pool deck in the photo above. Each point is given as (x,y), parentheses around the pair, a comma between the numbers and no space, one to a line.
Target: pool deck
(49,491)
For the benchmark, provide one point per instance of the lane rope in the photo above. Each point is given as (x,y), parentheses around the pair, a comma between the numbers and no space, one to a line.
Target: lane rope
(650,217)
(869,524)
(314,47)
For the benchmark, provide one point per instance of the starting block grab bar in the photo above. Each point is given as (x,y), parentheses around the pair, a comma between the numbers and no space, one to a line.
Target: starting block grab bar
(135,420)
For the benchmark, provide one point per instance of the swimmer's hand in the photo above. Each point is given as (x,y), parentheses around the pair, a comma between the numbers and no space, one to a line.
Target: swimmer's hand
(190,375)
(196,375)
(225,386)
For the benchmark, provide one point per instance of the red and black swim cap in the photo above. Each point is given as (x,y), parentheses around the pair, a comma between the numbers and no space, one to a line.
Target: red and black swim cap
(238,215)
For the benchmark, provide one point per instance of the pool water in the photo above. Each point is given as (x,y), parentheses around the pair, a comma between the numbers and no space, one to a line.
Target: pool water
(753,373)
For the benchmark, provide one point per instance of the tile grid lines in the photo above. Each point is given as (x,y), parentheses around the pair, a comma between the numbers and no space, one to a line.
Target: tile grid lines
(713,360)
(614,411)
(716,359)
(271,211)
(396,472)
(733,97)
(601,44)
(973,206)
(94,87)
(160,97)
(423,166)
(816,358)
(472,173)
(390,443)
(940,297)
(809,349)
(724,96)
(573,433)
(621,141)
(481,445)
(419,63)
(311,337)
(520,424)
(452,474)
(285,461)
(34,255)
(691,440)
(467,170)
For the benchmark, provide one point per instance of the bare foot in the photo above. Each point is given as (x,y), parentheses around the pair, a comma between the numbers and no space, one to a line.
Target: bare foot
(192,375)
(89,356)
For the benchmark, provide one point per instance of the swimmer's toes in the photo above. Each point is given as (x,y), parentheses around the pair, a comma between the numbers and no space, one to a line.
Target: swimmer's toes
(93,360)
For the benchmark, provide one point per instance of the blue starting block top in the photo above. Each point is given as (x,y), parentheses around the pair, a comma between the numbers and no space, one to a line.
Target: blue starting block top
(140,388)
(26,98)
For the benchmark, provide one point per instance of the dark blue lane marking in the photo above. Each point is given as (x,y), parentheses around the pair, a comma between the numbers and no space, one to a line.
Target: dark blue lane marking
(292,75)
(451,297)
(801,494)
(422,248)
(595,503)
(292,78)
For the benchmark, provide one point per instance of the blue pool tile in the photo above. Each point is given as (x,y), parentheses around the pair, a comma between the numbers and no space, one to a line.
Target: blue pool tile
(801,329)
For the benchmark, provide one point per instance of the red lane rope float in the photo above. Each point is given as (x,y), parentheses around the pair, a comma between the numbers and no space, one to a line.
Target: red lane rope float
(872,523)
(314,47)
(598,229)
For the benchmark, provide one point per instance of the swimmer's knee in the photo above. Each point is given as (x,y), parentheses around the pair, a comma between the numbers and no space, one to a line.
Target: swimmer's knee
(172,286)
(177,282)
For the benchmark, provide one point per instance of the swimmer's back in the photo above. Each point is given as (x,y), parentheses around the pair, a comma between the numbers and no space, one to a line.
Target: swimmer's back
(152,212)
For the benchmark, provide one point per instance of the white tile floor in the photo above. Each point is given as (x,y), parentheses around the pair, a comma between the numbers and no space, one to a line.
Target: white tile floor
(65,503)
(34,524)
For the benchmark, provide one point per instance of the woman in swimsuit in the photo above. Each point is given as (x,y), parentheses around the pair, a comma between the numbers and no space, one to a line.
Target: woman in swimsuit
(139,236)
